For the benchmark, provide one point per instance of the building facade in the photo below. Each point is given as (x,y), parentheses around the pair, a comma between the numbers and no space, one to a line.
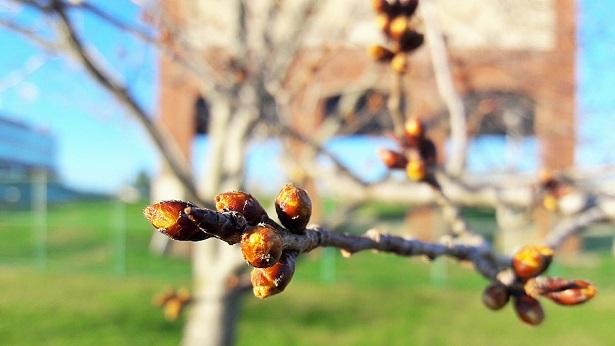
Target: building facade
(507,57)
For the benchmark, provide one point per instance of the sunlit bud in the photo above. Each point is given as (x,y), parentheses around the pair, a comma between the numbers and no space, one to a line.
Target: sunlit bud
(410,40)
(169,218)
(243,203)
(532,260)
(398,26)
(550,202)
(547,180)
(561,291)
(379,53)
(294,208)
(416,170)
(414,131)
(183,295)
(172,309)
(399,63)
(392,159)
(161,299)
(495,296)
(529,310)
(261,246)
(573,296)
(273,280)
(380,6)
(383,23)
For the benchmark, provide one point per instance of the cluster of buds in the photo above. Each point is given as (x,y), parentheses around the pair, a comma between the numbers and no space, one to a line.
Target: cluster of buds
(525,285)
(550,190)
(239,218)
(172,302)
(394,21)
(416,153)
(556,195)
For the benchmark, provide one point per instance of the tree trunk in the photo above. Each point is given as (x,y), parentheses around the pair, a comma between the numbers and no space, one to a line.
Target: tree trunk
(215,310)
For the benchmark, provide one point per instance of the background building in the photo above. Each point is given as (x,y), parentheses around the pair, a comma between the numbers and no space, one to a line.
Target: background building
(28,157)
(513,64)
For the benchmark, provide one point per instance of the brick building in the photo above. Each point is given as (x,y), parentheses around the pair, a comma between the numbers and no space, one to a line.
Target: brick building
(518,55)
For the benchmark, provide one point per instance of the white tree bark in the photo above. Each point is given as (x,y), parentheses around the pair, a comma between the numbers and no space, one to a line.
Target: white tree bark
(444,80)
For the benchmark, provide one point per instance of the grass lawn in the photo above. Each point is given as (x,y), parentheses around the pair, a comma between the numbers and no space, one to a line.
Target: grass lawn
(383,300)
(368,299)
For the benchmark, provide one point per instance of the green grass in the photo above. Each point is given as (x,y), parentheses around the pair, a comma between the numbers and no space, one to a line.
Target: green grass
(84,237)
(383,300)
(51,308)
(368,299)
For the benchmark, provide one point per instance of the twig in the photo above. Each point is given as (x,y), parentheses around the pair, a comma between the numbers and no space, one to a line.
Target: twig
(229,226)
(446,87)
(569,227)
(394,104)
(166,146)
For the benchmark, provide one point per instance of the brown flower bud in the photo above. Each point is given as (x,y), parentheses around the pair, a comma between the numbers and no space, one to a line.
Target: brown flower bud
(383,23)
(399,63)
(398,26)
(169,218)
(532,260)
(529,310)
(294,208)
(394,9)
(550,202)
(561,291)
(273,280)
(547,180)
(243,203)
(379,53)
(495,296)
(380,6)
(184,296)
(261,246)
(413,131)
(392,159)
(408,7)
(580,293)
(416,170)
(161,299)
(173,308)
(410,40)
(428,151)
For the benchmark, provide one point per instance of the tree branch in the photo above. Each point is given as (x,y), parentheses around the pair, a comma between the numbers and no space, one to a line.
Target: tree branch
(167,147)
(573,225)
(446,87)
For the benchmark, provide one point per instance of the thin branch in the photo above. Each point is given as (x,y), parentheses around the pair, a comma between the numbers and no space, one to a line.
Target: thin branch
(48,45)
(167,147)
(291,133)
(183,221)
(446,87)
(394,104)
(140,33)
(572,226)
(316,236)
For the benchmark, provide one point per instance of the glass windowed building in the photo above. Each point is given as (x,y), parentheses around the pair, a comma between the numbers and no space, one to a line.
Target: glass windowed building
(24,149)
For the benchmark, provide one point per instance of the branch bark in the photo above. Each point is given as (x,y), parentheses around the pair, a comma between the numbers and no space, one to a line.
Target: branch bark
(446,87)
(170,153)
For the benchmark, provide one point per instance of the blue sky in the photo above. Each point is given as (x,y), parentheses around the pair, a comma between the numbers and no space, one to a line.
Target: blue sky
(101,148)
